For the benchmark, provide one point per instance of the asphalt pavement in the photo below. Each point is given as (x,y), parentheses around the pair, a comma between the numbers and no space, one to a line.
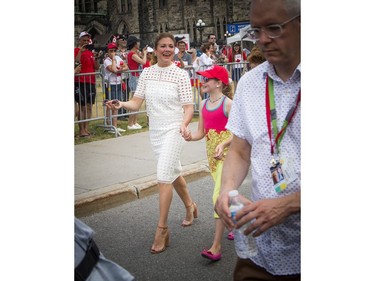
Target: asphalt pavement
(124,234)
(116,195)
(119,170)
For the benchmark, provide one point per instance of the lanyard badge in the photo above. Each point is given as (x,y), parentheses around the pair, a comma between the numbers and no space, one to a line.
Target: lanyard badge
(277,174)
(282,169)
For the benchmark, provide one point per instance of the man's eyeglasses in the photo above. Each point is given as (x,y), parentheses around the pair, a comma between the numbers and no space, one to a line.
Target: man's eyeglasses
(272,30)
(112,50)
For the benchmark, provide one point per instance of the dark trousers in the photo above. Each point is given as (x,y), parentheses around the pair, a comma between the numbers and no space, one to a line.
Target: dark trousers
(247,270)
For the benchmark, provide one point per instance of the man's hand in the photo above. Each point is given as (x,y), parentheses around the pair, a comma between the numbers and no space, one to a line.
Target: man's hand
(222,208)
(267,213)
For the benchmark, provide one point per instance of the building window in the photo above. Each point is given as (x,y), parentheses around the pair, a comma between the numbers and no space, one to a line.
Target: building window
(89,6)
(122,6)
(218,30)
(163,3)
(188,28)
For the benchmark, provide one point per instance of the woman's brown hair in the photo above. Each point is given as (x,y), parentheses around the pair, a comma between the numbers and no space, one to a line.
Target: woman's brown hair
(162,36)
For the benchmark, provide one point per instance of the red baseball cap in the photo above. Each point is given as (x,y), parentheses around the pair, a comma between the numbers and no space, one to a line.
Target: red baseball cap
(217,72)
(111,46)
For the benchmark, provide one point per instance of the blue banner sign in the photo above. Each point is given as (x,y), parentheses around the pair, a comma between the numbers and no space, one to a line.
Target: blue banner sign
(234,28)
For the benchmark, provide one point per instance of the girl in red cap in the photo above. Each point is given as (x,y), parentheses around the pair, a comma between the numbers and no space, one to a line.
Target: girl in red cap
(214,113)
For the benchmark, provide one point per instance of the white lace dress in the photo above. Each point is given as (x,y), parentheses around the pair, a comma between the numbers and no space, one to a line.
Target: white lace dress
(165,90)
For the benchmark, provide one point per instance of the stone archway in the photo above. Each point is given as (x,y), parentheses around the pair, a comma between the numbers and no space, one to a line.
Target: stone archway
(122,28)
(95,28)
(98,33)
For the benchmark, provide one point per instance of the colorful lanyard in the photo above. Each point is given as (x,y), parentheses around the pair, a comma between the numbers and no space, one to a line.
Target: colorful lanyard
(271,116)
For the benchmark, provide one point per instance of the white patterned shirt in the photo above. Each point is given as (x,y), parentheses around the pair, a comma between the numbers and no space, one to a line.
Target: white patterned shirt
(279,247)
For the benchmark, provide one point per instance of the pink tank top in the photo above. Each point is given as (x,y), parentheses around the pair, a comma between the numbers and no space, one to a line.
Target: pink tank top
(216,118)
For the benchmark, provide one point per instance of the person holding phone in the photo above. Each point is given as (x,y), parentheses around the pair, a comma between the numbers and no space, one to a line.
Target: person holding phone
(85,85)
(113,67)
(136,60)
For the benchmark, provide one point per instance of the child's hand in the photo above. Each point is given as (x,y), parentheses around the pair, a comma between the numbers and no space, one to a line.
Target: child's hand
(187,135)
(219,152)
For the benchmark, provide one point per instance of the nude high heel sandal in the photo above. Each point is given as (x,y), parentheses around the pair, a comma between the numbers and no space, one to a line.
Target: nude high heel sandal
(161,238)
(194,212)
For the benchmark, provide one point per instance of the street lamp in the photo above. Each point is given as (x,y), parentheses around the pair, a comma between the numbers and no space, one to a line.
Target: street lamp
(200,26)
(227,34)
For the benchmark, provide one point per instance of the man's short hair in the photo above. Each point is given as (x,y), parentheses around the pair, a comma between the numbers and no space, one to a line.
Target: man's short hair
(181,42)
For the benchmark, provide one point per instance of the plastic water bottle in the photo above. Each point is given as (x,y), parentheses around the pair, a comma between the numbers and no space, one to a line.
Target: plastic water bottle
(244,244)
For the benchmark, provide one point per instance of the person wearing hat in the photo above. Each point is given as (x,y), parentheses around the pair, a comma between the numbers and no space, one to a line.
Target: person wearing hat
(113,67)
(238,56)
(136,60)
(85,85)
(121,43)
(150,53)
(170,108)
(213,116)
(122,52)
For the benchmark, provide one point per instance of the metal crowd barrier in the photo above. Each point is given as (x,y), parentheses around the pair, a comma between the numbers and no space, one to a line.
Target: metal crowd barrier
(95,109)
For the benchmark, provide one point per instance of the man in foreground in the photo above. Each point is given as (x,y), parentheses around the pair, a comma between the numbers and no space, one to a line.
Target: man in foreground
(266,123)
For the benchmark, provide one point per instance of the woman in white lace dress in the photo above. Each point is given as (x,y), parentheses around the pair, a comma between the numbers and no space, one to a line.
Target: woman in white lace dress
(169,103)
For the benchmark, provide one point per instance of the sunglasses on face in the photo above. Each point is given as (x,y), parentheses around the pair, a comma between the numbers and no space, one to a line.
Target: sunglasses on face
(205,79)
(112,50)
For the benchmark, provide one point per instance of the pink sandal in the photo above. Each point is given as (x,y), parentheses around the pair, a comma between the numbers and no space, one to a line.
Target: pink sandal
(230,236)
(209,255)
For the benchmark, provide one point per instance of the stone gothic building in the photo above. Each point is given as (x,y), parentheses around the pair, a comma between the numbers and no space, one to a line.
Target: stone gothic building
(146,18)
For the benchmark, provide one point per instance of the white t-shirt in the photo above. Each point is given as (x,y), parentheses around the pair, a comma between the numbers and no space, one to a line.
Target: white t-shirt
(205,60)
(112,78)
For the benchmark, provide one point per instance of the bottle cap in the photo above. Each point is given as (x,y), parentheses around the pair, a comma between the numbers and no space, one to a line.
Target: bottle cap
(233,193)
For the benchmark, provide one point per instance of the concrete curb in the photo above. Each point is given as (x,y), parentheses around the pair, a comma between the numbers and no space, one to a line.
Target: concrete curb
(121,193)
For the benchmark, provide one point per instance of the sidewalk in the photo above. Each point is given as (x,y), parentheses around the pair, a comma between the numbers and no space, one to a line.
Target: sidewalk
(119,170)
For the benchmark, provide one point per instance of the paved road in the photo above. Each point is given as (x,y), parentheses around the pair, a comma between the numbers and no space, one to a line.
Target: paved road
(125,234)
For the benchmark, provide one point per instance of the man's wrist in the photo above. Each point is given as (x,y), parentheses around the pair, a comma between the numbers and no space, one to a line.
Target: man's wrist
(227,189)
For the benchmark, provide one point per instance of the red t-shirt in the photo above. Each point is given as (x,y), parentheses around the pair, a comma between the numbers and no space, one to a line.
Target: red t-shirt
(87,66)
(147,64)
(133,65)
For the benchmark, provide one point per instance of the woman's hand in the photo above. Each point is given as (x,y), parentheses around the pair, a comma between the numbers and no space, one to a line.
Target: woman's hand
(187,136)
(185,132)
(112,104)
